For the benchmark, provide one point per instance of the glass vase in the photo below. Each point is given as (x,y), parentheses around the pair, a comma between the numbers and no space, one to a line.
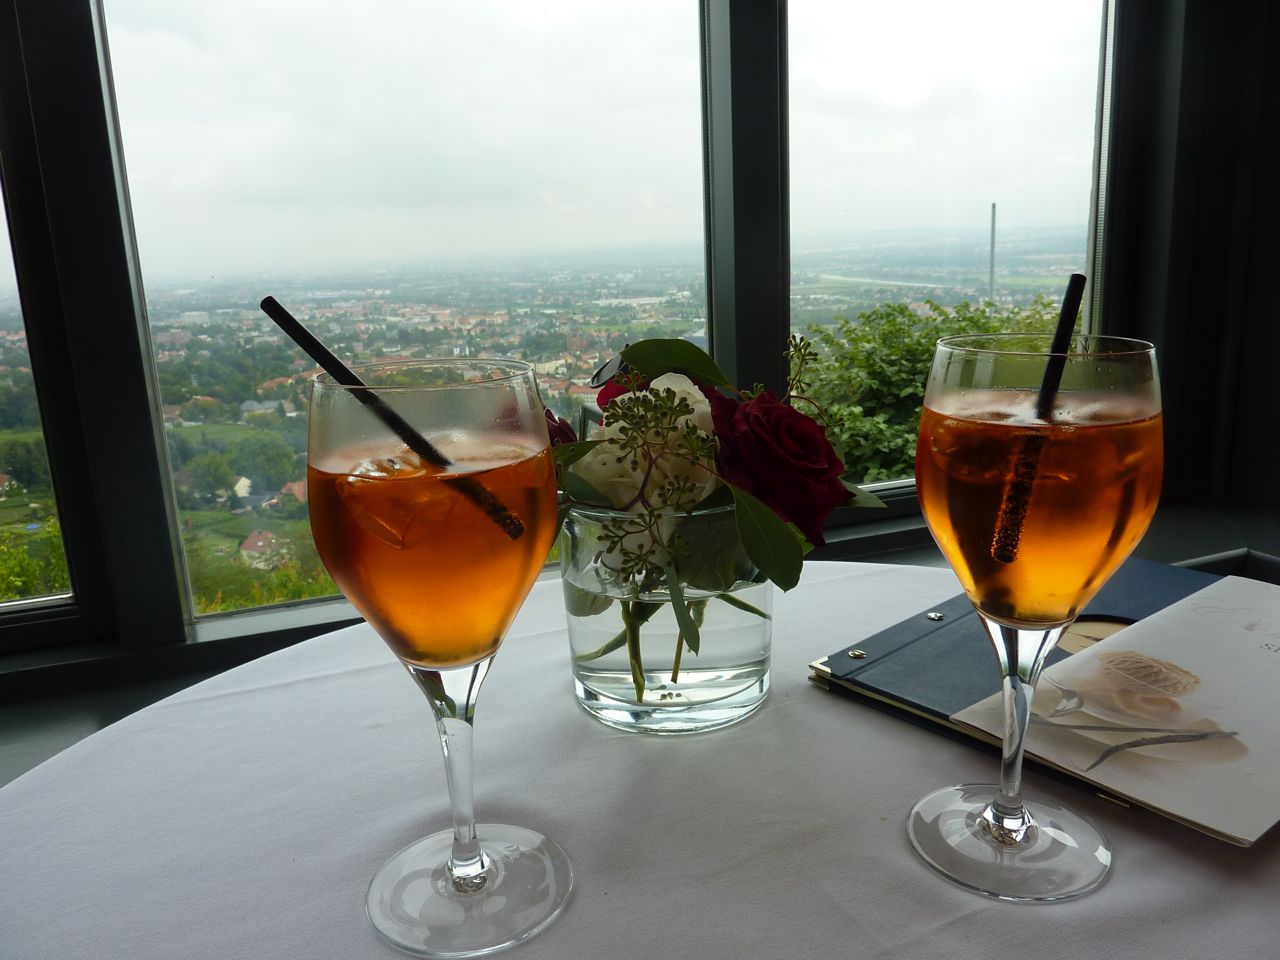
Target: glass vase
(634,667)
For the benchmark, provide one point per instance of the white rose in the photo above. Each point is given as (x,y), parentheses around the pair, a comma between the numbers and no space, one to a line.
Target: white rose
(608,470)
(688,390)
(611,472)
(701,480)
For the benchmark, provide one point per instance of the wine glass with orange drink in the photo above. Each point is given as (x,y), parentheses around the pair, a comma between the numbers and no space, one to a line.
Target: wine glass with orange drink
(432,498)
(1038,469)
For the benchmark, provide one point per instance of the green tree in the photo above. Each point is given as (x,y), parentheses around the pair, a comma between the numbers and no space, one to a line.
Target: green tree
(294,431)
(32,564)
(871,375)
(267,420)
(266,459)
(18,409)
(222,583)
(181,449)
(203,410)
(209,473)
(292,508)
(26,461)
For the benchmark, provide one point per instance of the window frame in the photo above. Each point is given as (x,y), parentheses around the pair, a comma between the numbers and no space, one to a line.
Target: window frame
(66,194)
(78,311)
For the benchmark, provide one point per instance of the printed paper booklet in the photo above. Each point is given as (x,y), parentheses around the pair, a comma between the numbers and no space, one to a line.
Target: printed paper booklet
(1175,712)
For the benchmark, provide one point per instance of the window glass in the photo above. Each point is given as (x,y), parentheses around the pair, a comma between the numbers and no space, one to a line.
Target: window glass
(32,562)
(409,179)
(941,171)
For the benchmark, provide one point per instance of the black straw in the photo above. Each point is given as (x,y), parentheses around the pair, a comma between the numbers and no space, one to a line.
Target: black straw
(1026,455)
(342,374)
(1058,349)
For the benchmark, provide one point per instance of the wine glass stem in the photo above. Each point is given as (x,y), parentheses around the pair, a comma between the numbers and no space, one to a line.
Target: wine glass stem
(452,694)
(1021,653)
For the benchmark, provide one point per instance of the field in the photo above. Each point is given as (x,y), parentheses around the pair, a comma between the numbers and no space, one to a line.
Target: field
(25,435)
(220,434)
(221,533)
(17,510)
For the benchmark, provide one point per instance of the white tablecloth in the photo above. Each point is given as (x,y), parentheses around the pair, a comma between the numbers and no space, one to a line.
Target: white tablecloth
(245,816)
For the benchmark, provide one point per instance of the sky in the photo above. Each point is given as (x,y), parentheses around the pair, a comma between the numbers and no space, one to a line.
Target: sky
(270,135)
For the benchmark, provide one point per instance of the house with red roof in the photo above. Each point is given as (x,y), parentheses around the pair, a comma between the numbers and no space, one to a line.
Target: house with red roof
(263,549)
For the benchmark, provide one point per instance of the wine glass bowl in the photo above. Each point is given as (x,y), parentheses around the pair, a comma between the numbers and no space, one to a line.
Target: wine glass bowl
(1036,491)
(432,499)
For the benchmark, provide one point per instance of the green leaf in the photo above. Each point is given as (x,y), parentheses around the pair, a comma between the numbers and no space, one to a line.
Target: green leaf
(584,603)
(861,498)
(721,496)
(769,542)
(688,627)
(567,453)
(733,601)
(805,545)
(561,513)
(433,686)
(653,358)
(581,491)
(710,554)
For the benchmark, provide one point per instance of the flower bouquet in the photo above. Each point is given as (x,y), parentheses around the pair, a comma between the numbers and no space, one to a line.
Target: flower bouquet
(677,513)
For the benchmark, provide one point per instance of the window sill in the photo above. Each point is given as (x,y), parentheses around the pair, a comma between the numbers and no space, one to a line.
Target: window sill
(219,644)
(1243,541)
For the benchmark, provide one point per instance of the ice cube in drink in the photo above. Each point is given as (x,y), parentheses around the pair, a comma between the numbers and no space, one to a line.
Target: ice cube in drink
(379,495)
(422,563)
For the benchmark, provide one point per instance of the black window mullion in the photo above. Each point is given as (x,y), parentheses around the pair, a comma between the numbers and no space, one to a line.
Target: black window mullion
(87,615)
(107,364)
(744,97)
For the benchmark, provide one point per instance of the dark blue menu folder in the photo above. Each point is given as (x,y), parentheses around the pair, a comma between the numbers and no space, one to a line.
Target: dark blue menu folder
(934,667)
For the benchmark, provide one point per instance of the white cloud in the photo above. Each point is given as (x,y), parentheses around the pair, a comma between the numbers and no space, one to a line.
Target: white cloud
(921,114)
(283,134)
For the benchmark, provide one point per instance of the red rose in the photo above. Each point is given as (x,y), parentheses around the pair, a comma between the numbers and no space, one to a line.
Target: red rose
(611,389)
(558,429)
(777,454)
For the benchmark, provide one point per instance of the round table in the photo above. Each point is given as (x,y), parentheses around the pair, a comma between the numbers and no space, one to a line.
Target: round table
(244,817)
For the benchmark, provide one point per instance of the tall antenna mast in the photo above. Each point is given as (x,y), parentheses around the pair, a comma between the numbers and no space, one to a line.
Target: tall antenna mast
(991,269)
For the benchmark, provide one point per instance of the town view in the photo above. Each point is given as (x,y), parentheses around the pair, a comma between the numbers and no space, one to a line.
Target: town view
(234,389)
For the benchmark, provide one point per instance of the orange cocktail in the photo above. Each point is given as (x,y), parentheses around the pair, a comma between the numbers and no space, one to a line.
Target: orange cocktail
(432,497)
(1038,469)
(437,580)
(1093,479)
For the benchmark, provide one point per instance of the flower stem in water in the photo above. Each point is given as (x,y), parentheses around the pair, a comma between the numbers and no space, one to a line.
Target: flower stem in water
(631,627)
(642,611)
(697,609)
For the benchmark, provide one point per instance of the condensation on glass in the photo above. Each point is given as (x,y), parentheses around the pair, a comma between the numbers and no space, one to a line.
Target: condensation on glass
(409,179)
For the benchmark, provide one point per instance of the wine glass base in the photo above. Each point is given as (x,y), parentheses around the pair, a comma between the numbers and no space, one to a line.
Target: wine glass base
(1063,856)
(414,906)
